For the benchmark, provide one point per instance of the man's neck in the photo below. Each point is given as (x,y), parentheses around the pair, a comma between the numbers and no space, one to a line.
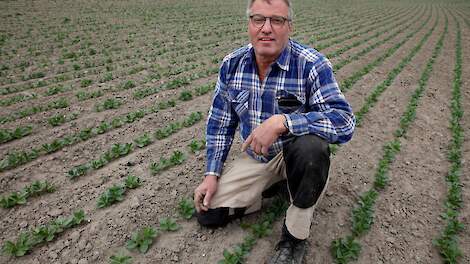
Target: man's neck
(263,65)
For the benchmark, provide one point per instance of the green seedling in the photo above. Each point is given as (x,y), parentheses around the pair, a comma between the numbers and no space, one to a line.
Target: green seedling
(201,90)
(131,117)
(143,140)
(98,163)
(168,224)
(120,259)
(192,119)
(132,182)
(142,239)
(128,85)
(85,83)
(85,133)
(13,199)
(56,120)
(117,122)
(58,104)
(20,247)
(112,195)
(77,171)
(38,188)
(345,250)
(186,208)
(186,96)
(166,104)
(109,103)
(197,145)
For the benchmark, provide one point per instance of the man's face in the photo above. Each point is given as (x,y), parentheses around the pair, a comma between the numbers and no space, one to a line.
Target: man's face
(269,40)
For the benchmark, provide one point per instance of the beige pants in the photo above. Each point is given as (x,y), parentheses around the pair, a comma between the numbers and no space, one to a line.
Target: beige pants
(242,183)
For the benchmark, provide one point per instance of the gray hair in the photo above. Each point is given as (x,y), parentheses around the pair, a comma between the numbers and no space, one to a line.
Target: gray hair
(290,14)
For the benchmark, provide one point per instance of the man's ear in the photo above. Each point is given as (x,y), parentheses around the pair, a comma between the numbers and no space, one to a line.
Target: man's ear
(291,27)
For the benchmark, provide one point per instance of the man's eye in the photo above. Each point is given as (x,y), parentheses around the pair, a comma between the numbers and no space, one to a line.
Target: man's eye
(277,20)
(258,20)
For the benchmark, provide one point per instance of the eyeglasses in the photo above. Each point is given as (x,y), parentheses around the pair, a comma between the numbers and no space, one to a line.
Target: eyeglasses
(276,21)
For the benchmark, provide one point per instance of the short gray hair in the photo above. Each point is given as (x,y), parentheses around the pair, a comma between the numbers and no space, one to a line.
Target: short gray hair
(290,14)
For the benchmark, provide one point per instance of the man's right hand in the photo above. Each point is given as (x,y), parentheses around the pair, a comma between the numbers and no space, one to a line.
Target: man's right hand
(204,192)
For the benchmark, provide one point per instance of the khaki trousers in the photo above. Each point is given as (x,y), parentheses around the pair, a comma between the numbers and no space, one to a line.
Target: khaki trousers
(242,183)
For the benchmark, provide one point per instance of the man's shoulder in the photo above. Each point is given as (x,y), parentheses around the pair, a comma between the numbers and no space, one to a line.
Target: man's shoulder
(238,53)
(306,53)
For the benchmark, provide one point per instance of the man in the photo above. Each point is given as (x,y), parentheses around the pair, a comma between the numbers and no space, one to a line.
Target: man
(289,107)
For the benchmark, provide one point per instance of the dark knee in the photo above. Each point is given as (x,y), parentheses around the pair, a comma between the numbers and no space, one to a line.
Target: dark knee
(214,218)
(309,149)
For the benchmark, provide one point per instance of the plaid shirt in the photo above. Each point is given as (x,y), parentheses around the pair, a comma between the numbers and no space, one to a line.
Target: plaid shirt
(300,84)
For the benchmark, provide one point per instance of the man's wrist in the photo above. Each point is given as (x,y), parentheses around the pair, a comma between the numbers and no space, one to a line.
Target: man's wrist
(211,174)
(285,125)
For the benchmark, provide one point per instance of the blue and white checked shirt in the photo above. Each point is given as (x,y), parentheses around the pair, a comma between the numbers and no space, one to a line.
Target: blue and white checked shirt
(300,85)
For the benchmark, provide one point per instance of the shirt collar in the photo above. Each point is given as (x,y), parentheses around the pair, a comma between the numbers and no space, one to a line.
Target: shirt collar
(282,61)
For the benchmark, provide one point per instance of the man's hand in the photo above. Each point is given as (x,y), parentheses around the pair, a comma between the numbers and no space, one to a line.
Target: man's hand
(204,192)
(264,135)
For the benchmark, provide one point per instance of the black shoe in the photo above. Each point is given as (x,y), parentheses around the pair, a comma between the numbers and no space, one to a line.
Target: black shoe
(289,252)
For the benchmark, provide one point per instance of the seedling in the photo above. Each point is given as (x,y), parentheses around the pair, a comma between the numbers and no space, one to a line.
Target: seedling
(20,248)
(56,120)
(186,208)
(132,182)
(85,133)
(142,239)
(112,195)
(128,85)
(143,140)
(109,103)
(77,171)
(13,199)
(345,249)
(168,224)
(192,119)
(186,96)
(120,259)
(197,145)
(85,83)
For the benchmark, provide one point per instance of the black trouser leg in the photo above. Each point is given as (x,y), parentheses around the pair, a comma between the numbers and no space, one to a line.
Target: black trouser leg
(219,217)
(307,161)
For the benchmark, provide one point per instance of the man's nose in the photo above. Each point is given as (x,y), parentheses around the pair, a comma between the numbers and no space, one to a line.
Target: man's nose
(267,27)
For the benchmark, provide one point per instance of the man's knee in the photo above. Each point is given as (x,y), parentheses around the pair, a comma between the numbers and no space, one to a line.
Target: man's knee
(307,164)
(308,148)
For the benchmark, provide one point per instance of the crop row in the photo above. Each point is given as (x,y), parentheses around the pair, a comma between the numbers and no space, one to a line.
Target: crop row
(18,158)
(10,89)
(56,145)
(376,35)
(26,241)
(34,189)
(120,150)
(366,50)
(145,92)
(61,119)
(348,248)
(116,40)
(7,135)
(348,82)
(447,242)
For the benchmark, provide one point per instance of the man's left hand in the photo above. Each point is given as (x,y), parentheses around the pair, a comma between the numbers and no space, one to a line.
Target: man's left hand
(262,137)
